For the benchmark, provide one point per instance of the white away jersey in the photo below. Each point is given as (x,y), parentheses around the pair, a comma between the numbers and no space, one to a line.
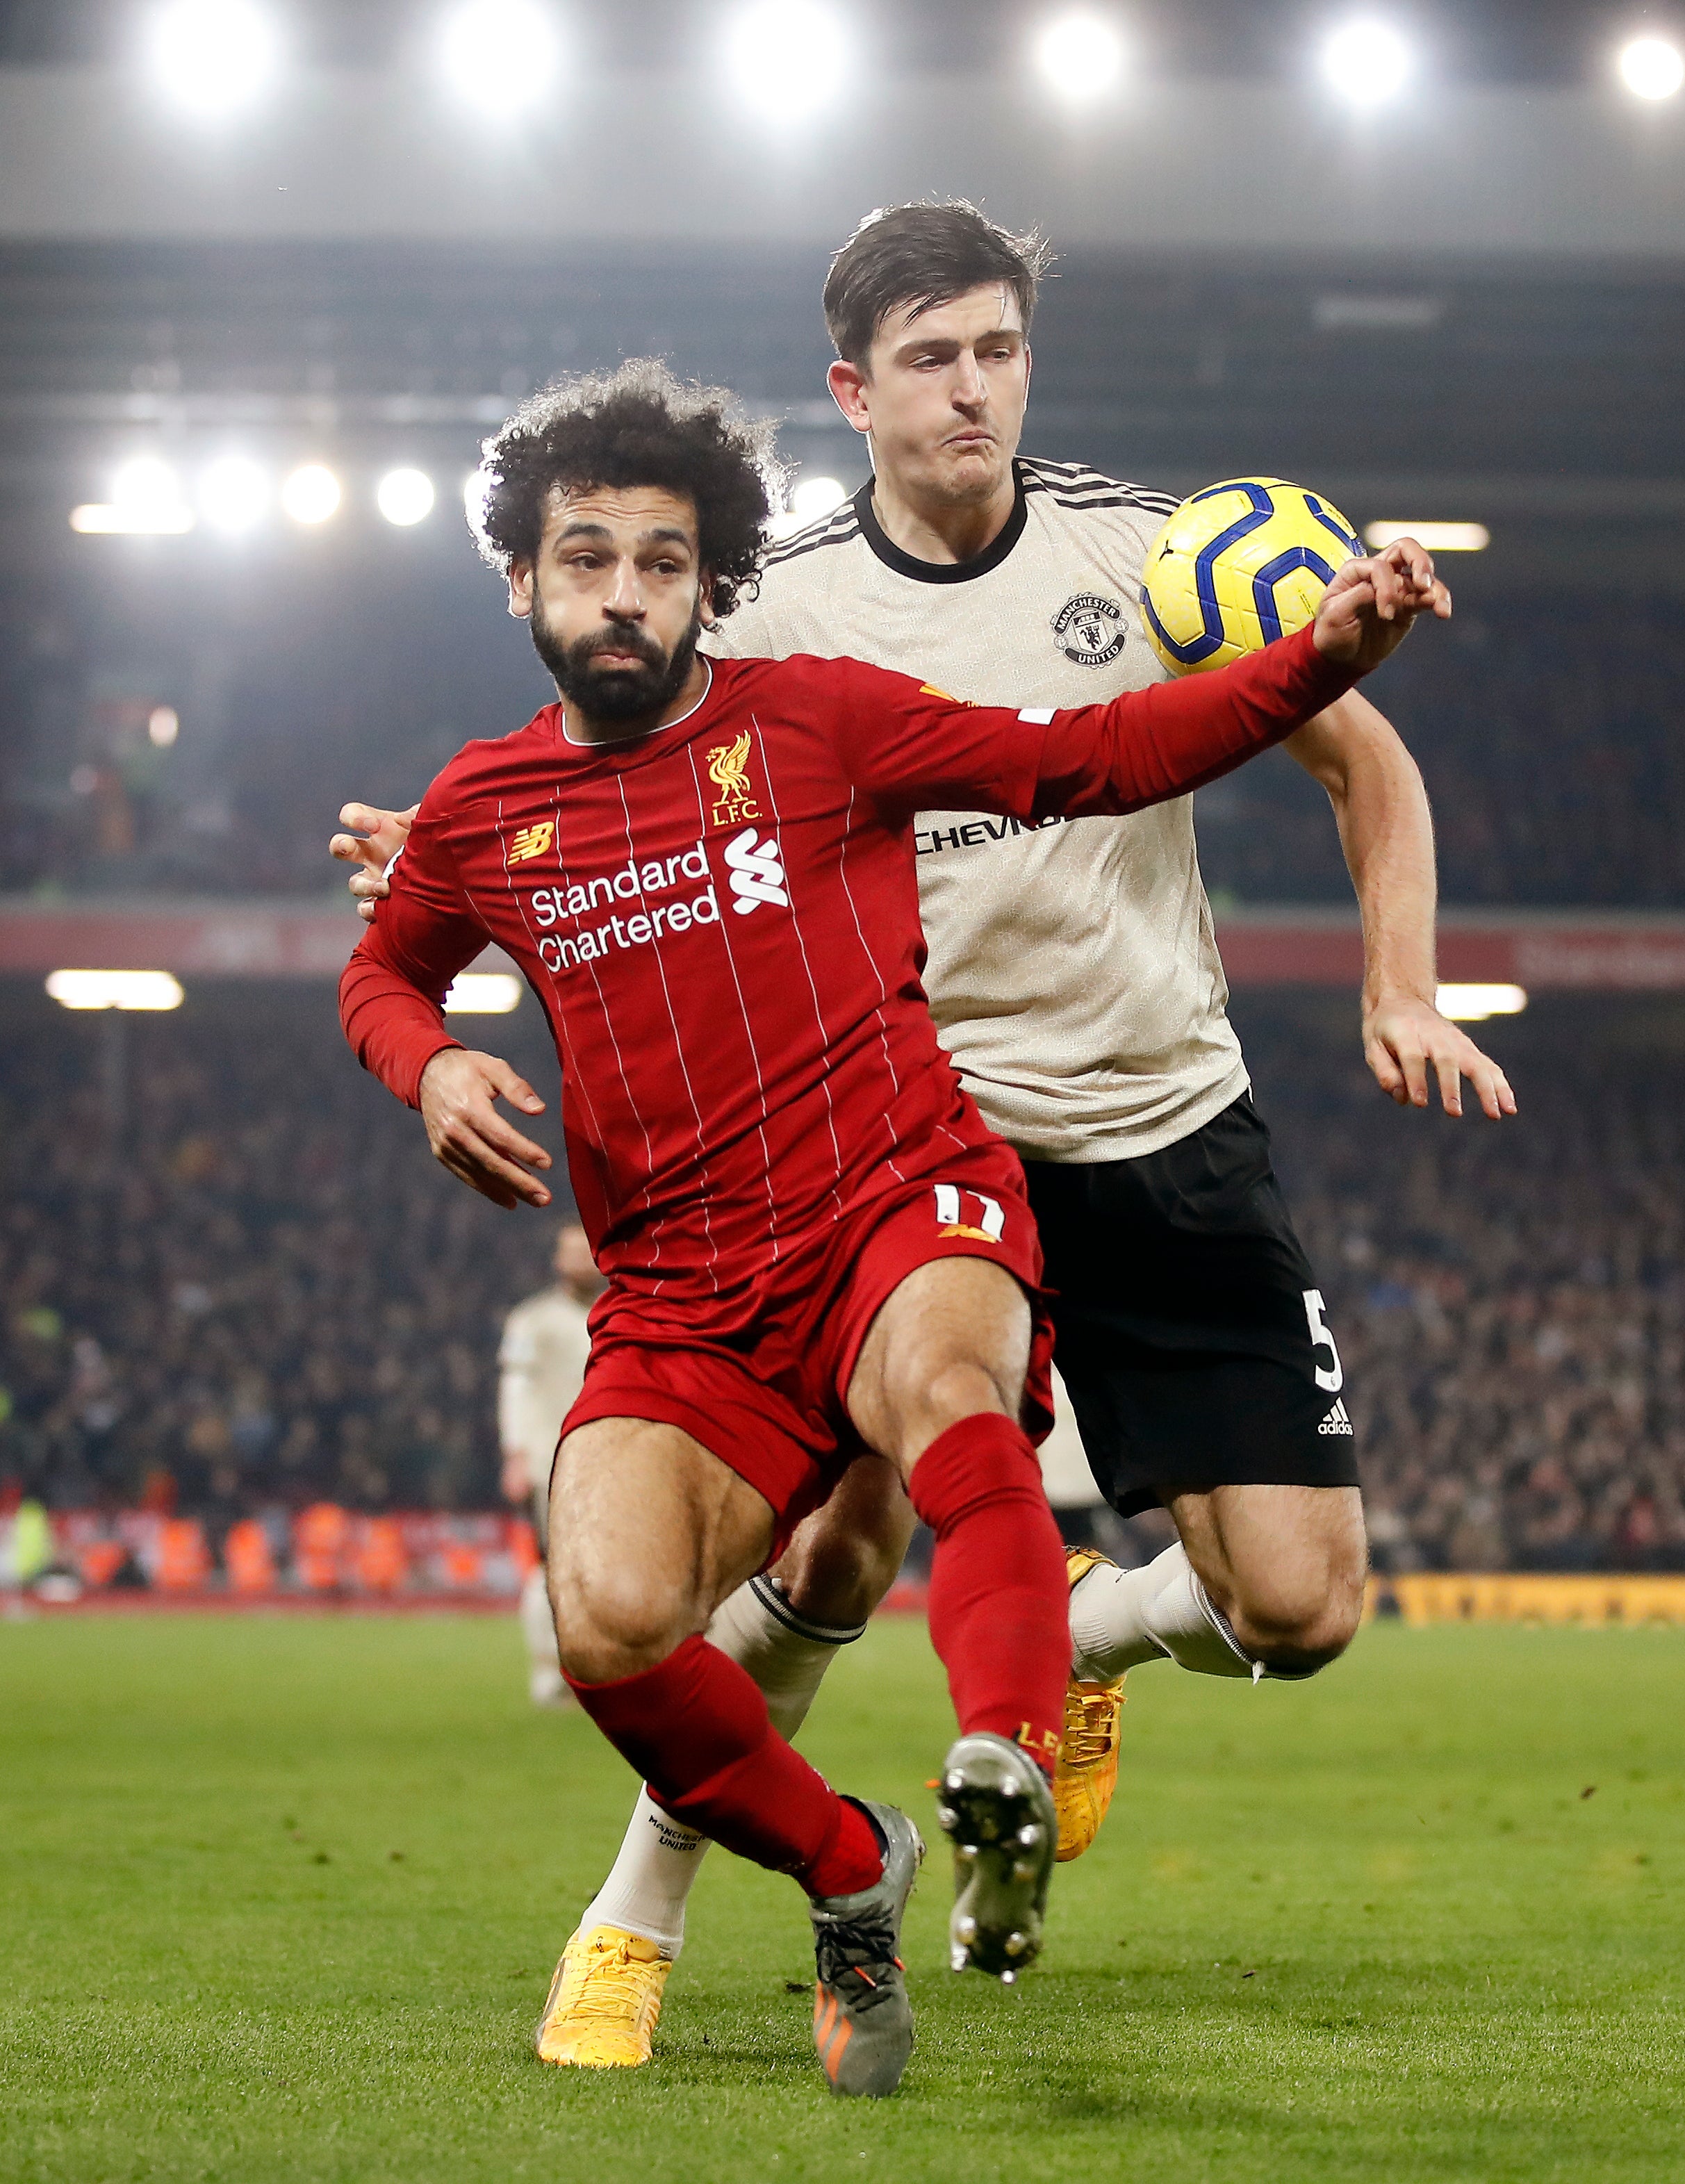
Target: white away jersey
(540,1369)
(1073,973)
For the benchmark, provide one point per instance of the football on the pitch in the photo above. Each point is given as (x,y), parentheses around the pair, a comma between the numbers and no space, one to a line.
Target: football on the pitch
(1236,566)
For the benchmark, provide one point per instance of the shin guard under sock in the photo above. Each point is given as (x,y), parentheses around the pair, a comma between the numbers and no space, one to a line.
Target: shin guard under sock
(998,1600)
(696,1728)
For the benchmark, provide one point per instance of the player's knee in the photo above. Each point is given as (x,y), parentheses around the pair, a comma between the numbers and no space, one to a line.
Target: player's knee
(1298,1621)
(614,1622)
(940,1396)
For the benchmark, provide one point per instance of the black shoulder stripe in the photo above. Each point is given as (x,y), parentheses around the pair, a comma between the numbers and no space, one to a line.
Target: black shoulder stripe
(833,532)
(1075,485)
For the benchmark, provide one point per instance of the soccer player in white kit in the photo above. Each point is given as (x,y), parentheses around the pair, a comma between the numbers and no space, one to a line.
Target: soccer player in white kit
(1190,1330)
(541,1359)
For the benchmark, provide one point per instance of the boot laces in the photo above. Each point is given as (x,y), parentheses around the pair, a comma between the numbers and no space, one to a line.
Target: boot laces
(612,1983)
(1093,1735)
(855,1949)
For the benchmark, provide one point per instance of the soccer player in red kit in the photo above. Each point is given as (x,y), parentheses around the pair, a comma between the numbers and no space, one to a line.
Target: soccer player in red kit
(812,1243)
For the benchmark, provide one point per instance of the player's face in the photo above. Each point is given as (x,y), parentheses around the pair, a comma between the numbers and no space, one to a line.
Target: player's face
(942,396)
(616,599)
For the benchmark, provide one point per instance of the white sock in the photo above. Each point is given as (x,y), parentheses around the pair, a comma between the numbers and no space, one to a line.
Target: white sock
(659,1858)
(1120,1618)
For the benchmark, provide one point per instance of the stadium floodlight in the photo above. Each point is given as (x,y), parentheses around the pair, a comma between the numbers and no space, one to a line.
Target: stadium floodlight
(1652,68)
(114,990)
(1080,56)
(163,724)
(212,57)
(311,493)
(813,498)
(234,494)
(1366,61)
(1438,538)
(482,994)
(789,56)
(404,497)
(1474,1004)
(499,55)
(145,496)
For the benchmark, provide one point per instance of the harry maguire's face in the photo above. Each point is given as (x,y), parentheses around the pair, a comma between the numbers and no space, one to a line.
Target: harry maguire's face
(946,395)
(616,598)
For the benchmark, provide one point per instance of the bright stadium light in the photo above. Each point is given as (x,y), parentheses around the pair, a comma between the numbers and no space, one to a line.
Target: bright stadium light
(482,994)
(234,494)
(146,498)
(311,494)
(498,55)
(1652,68)
(163,724)
(1438,538)
(404,497)
(813,498)
(1367,62)
(1474,1004)
(789,56)
(1080,56)
(114,990)
(213,57)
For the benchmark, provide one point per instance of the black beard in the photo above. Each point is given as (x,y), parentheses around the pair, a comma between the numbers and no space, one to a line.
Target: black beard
(616,694)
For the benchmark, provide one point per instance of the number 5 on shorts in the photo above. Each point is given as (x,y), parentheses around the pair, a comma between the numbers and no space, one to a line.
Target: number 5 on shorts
(1329,1379)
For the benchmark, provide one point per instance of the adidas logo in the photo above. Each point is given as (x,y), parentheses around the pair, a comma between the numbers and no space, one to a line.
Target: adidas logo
(1338,1420)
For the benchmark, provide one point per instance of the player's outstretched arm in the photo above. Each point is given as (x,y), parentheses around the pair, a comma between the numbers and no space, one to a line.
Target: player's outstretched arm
(1370,608)
(376,838)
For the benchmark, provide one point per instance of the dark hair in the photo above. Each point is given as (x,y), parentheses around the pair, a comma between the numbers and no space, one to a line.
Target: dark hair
(638,425)
(913,256)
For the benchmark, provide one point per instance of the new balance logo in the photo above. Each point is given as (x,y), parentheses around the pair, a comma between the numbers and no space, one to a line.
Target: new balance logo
(1338,1420)
(531,842)
(757,871)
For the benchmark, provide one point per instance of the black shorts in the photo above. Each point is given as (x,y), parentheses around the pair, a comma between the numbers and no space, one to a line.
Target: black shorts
(1188,1325)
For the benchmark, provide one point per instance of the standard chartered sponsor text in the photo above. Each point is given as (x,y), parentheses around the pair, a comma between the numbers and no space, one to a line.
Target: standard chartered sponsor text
(635,881)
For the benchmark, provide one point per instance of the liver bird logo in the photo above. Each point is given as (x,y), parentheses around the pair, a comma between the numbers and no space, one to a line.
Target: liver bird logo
(728,770)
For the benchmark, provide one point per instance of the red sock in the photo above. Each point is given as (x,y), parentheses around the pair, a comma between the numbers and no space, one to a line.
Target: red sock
(999,1608)
(695,1727)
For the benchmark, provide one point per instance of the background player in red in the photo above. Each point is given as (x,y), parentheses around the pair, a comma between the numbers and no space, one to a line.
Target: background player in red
(812,1242)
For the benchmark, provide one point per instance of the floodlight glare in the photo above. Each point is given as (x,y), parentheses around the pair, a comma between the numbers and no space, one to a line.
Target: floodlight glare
(213,57)
(1474,1004)
(404,497)
(499,54)
(482,994)
(1366,61)
(145,496)
(813,498)
(1080,56)
(114,990)
(788,56)
(163,724)
(1652,68)
(311,494)
(234,494)
(1438,538)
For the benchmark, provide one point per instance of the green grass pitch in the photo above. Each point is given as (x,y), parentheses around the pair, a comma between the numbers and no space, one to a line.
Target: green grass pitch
(280,1899)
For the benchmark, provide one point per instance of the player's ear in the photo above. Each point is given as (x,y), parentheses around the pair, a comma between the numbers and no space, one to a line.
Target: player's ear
(848,384)
(707,613)
(520,590)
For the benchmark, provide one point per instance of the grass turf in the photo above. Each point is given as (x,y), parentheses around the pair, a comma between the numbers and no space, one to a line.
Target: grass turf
(281,1899)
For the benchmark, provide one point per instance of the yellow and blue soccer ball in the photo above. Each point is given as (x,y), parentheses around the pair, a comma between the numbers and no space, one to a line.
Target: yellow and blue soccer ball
(1238,565)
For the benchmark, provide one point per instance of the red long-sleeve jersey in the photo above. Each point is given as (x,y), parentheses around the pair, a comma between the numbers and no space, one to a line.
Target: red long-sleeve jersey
(720,921)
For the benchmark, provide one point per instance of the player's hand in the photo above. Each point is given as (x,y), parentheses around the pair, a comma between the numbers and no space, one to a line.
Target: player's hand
(1404,1039)
(379,837)
(459,1091)
(1369,608)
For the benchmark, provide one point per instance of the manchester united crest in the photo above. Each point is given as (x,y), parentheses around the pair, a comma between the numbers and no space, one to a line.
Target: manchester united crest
(1089,629)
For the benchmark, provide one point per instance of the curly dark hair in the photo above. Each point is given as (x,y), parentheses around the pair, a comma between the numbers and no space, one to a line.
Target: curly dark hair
(637,426)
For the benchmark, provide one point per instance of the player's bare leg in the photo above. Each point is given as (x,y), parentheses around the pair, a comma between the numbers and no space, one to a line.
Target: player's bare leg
(939,1386)
(1264,1581)
(648,1531)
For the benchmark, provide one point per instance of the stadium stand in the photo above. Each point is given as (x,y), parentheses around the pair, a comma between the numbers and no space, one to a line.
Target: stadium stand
(269,1318)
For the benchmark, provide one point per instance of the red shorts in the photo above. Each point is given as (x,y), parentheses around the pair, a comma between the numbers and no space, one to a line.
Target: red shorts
(771,1403)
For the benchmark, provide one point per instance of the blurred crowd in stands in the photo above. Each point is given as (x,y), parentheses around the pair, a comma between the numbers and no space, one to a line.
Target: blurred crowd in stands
(1554,762)
(253,1294)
